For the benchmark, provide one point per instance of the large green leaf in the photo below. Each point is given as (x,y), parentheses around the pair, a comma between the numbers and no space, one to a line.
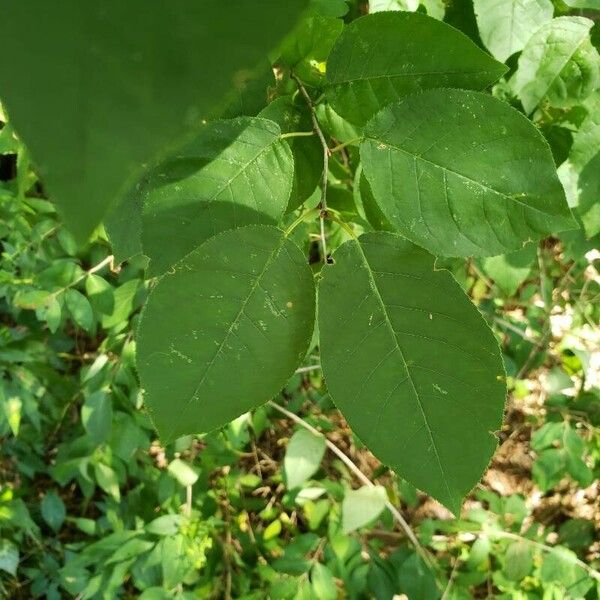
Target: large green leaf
(98,90)
(558,64)
(461,173)
(385,56)
(505,26)
(411,364)
(224,329)
(235,172)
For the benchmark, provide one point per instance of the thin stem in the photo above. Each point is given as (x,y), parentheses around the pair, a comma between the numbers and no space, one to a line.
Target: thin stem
(545,548)
(303,217)
(308,369)
(109,260)
(323,236)
(344,225)
(188,500)
(362,477)
(344,145)
(293,134)
(326,153)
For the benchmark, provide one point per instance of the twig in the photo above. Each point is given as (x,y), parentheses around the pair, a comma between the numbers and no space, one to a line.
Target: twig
(293,134)
(344,145)
(511,327)
(227,543)
(109,260)
(326,153)
(545,548)
(308,368)
(363,478)
(451,579)
(188,500)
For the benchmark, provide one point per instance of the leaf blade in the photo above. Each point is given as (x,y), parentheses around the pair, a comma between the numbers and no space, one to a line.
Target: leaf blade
(235,172)
(379,370)
(433,54)
(558,63)
(257,298)
(469,191)
(505,27)
(130,83)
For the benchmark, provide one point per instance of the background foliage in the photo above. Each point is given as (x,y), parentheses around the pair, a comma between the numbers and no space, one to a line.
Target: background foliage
(93,506)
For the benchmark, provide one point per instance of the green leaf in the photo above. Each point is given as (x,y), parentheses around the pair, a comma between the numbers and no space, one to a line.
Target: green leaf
(372,211)
(243,321)
(588,207)
(417,580)
(183,472)
(306,150)
(362,506)
(303,457)
(306,49)
(407,359)
(558,64)
(80,309)
(124,298)
(96,416)
(53,510)
(236,172)
(509,271)
(335,126)
(9,557)
(323,583)
(165,524)
(107,480)
(369,68)
(463,174)
(505,26)
(549,468)
(53,314)
(100,294)
(129,80)
(561,566)
(518,561)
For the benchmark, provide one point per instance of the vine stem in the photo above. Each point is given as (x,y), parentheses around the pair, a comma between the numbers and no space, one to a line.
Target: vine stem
(109,260)
(362,477)
(544,547)
(344,145)
(293,134)
(326,153)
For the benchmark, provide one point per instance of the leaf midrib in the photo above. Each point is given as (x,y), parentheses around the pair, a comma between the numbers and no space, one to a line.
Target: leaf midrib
(411,74)
(275,252)
(465,177)
(408,371)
